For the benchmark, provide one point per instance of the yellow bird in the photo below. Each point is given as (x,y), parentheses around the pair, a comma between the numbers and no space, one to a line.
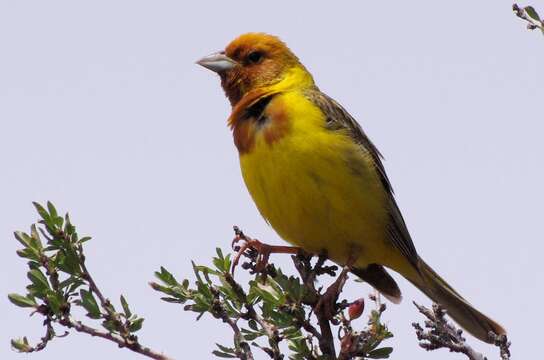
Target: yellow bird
(317,178)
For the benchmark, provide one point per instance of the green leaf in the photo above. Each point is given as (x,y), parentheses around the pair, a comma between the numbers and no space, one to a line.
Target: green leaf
(252,335)
(206,271)
(532,12)
(202,303)
(219,261)
(172,300)
(35,238)
(23,238)
(44,234)
(84,239)
(166,277)
(75,286)
(68,227)
(290,285)
(230,309)
(253,325)
(126,309)
(44,215)
(52,210)
(381,353)
(68,260)
(109,325)
(33,265)
(54,301)
(299,346)
(136,325)
(72,280)
(29,253)
(21,345)
(89,303)
(270,291)
(38,279)
(225,349)
(22,301)
(223,355)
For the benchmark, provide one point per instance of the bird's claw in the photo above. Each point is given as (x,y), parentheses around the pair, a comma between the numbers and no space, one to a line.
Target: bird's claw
(263,252)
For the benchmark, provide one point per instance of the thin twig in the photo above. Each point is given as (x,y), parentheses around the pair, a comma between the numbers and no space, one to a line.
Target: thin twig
(92,284)
(135,346)
(270,330)
(125,338)
(111,314)
(501,341)
(49,335)
(308,275)
(532,23)
(239,339)
(442,334)
(243,350)
(306,325)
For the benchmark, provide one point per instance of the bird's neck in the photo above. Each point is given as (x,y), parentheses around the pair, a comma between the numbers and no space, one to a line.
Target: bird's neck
(294,78)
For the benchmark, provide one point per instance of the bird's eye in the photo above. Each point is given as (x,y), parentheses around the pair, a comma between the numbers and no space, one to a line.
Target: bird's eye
(255,57)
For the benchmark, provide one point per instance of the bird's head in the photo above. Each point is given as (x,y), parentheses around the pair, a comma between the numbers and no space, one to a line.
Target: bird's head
(255,61)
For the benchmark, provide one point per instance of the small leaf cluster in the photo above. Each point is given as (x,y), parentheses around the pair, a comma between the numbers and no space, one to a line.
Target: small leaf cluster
(530,15)
(365,344)
(275,309)
(59,280)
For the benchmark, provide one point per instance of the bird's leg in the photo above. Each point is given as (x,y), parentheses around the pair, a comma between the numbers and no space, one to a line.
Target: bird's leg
(327,302)
(263,250)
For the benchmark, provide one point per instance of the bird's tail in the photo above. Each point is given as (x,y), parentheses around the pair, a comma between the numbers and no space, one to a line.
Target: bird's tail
(472,320)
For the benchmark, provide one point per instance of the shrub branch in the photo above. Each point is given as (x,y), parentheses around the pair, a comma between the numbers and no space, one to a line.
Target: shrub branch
(529,15)
(441,334)
(60,280)
(270,312)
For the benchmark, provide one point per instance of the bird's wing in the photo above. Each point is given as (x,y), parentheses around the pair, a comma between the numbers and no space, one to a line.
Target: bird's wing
(339,119)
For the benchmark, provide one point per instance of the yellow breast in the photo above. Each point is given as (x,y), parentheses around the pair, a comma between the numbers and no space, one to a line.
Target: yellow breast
(316,187)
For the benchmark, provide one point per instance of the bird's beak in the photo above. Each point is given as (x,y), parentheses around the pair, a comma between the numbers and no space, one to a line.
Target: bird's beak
(217,62)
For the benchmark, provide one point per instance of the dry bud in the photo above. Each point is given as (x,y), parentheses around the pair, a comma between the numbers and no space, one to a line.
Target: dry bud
(356,308)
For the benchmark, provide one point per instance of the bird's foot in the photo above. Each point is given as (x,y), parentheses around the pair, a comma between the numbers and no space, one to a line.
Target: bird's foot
(262,250)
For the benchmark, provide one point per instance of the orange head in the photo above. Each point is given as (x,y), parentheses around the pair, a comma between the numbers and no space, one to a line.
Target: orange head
(251,61)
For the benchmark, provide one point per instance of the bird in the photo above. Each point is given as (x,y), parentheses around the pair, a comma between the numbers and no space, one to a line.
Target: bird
(317,179)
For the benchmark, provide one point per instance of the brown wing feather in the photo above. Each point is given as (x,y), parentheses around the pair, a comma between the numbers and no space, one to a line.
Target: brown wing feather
(339,119)
(379,278)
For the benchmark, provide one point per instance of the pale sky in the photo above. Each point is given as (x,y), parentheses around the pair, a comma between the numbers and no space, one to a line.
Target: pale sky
(103,111)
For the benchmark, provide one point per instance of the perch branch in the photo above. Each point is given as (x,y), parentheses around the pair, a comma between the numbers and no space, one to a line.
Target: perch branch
(441,334)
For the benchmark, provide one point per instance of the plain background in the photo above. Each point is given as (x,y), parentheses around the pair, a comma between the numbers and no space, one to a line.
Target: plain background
(103,111)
